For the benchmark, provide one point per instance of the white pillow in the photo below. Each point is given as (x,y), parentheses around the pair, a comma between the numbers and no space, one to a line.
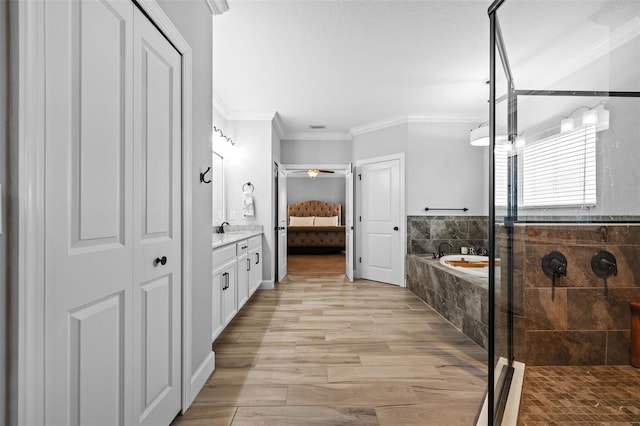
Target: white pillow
(325,221)
(301,221)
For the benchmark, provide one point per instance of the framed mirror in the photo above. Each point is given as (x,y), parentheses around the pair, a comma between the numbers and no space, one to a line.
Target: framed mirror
(218,210)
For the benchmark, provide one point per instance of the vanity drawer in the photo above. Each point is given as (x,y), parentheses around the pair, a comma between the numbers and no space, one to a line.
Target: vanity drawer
(224,254)
(243,247)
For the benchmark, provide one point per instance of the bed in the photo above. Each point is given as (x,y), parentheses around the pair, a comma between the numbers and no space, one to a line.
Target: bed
(315,224)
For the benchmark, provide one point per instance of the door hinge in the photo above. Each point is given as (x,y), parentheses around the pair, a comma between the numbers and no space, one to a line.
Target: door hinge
(360,259)
(359,218)
(359,176)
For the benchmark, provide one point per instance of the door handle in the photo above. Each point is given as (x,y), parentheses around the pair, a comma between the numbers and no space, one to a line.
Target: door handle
(160,260)
(395,228)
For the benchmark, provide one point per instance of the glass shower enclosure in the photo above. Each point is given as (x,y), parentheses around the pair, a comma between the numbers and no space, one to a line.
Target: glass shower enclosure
(564,168)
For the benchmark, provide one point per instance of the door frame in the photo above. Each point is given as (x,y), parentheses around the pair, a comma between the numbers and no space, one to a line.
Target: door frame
(30,246)
(402,254)
(346,168)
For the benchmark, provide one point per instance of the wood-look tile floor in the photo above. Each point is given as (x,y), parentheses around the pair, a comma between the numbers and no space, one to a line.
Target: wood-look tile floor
(319,350)
(314,263)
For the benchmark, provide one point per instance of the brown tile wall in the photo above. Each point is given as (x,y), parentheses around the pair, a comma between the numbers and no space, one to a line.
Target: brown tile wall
(580,325)
(425,233)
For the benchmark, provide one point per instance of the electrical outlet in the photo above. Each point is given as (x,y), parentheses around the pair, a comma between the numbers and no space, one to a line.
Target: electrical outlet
(232,214)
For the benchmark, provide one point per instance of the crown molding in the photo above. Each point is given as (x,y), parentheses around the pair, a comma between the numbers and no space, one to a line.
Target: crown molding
(414,118)
(379,125)
(217,7)
(444,118)
(277,125)
(220,106)
(251,116)
(334,136)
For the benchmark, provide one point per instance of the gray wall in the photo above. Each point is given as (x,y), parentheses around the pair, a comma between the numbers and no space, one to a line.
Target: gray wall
(328,189)
(442,170)
(4,145)
(193,20)
(390,140)
(316,152)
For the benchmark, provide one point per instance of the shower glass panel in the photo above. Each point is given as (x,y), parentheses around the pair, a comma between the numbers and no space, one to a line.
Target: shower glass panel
(565,195)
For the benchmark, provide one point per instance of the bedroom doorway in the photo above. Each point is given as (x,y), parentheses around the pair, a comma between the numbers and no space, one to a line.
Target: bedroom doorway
(322,247)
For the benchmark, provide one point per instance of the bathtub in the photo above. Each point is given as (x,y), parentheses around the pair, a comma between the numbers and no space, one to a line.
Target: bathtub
(467,263)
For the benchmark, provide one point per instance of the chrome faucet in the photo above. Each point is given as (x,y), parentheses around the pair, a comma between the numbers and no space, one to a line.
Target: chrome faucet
(220,229)
(440,251)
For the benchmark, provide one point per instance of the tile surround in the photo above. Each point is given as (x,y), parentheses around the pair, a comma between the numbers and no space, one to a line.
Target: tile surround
(460,298)
(425,233)
(580,325)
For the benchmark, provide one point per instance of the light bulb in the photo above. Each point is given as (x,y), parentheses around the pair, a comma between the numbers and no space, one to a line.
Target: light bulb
(566,125)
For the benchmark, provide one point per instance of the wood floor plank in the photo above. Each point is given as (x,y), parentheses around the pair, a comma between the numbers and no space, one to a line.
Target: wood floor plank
(437,413)
(307,416)
(320,350)
(243,395)
(377,394)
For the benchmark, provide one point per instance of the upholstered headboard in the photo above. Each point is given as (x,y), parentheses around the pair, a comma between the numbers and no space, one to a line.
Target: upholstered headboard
(315,208)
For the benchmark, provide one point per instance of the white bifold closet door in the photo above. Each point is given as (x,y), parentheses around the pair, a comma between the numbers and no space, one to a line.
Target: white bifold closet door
(112,217)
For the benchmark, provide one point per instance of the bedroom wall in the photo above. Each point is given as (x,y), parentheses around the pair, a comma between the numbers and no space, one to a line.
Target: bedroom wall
(329,189)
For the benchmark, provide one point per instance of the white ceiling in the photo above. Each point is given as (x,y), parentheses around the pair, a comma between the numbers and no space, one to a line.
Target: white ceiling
(354,64)
(349,64)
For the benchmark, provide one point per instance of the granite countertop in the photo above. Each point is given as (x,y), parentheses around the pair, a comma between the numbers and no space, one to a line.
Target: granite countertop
(220,240)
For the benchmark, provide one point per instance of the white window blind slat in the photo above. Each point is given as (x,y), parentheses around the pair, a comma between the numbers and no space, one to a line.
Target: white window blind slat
(556,171)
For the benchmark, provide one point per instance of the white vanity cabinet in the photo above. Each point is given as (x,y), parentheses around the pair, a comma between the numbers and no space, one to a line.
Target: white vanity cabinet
(244,268)
(237,273)
(225,275)
(255,263)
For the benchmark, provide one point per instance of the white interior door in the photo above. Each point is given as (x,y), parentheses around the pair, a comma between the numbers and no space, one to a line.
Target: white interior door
(110,345)
(89,212)
(348,222)
(282,222)
(157,233)
(380,204)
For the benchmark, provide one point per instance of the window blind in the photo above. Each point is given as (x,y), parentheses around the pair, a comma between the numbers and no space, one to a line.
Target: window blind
(560,170)
(556,171)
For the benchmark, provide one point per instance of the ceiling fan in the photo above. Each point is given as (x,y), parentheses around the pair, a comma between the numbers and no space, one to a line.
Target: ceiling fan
(314,172)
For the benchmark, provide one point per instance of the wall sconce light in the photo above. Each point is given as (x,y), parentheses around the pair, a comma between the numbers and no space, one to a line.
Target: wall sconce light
(593,116)
(520,143)
(567,125)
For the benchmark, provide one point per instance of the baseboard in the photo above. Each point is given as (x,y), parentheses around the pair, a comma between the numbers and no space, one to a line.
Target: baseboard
(266,285)
(510,416)
(199,378)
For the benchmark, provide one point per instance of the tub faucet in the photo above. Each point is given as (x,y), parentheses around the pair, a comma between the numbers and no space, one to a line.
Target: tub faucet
(440,251)
(220,229)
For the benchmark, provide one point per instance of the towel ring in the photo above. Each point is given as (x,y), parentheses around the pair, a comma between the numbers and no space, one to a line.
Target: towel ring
(250,185)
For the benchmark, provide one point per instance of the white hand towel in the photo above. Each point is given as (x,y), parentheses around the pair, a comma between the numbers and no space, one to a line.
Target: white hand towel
(247,205)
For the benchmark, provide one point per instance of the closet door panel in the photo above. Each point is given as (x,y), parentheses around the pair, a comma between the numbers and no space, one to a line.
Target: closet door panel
(88,212)
(157,224)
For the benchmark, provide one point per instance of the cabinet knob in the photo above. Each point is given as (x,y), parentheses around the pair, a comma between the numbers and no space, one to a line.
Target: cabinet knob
(160,260)
(395,228)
